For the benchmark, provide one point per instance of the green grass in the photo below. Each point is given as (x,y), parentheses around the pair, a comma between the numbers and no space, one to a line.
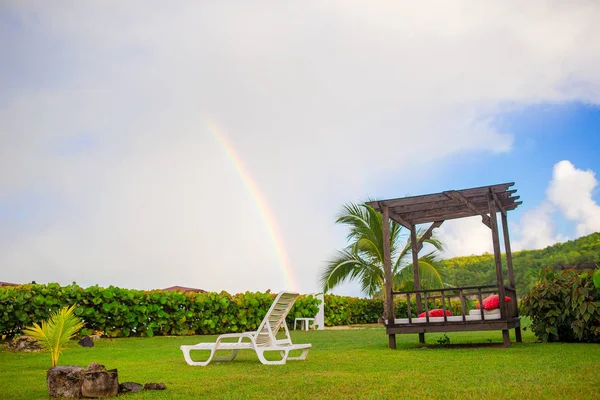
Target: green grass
(342,364)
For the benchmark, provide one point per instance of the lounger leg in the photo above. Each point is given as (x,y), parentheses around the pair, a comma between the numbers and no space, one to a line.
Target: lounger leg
(506,337)
(230,358)
(518,334)
(392,340)
(261,357)
(188,359)
(301,356)
(422,338)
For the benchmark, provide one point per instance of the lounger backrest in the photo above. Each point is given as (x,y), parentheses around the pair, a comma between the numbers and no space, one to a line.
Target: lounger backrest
(275,318)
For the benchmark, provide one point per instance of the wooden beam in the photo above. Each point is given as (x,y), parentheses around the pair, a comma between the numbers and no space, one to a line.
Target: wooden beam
(432,218)
(428,234)
(454,195)
(387,267)
(499,204)
(505,197)
(427,198)
(399,219)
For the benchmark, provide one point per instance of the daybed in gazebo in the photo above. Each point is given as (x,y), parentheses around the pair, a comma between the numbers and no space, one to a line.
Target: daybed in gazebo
(435,208)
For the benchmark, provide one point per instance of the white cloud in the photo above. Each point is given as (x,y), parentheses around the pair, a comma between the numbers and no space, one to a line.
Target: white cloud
(571,191)
(464,237)
(569,194)
(536,229)
(319,99)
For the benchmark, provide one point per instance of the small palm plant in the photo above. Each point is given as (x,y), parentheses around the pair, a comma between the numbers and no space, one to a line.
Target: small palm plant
(55,333)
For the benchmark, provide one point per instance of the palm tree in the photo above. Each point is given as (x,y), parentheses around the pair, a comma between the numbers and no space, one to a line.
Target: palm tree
(362,259)
(55,333)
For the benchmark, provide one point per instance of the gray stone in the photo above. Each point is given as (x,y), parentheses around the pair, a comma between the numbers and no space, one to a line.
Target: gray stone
(155,386)
(25,343)
(86,342)
(132,387)
(64,381)
(98,382)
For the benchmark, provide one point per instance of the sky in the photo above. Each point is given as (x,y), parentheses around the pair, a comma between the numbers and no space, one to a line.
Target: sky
(212,144)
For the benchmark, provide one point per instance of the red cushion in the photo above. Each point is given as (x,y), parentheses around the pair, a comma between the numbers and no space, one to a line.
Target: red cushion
(438,312)
(492,302)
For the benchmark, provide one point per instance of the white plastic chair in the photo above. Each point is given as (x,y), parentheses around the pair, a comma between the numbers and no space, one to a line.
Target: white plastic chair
(262,340)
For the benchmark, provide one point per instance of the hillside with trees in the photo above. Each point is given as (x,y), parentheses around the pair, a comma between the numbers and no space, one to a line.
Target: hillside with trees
(479,270)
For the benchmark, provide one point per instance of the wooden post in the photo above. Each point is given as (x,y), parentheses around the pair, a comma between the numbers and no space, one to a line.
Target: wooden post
(509,264)
(417,278)
(511,275)
(387,267)
(498,262)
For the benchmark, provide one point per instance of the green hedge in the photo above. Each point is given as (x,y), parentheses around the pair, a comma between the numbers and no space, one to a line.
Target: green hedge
(564,306)
(123,312)
(343,310)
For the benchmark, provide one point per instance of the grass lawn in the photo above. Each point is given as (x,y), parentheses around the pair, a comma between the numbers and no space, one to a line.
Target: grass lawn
(347,364)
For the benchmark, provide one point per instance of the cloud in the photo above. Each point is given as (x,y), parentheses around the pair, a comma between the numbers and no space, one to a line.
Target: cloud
(569,194)
(464,237)
(571,191)
(104,115)
(536,229)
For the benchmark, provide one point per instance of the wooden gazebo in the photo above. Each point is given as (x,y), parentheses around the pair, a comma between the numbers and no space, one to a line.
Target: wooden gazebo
(435,208)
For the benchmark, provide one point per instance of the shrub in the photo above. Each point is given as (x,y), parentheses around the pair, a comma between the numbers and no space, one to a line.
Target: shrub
(123,312)
(564,306)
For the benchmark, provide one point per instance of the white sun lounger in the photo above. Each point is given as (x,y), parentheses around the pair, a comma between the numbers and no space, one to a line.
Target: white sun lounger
(264,339)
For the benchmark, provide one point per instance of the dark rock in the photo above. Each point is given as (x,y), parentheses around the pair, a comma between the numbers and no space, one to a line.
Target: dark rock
(86,342)
(132,387)
(64,381)
(25,343)
(94,367)
(98,382)
(155,386)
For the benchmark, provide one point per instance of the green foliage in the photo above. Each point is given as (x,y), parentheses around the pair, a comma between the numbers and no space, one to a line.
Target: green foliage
(123,313)
(480,270)
(55,333)
(362,259)
(443,340)
(564,306)
(596,278)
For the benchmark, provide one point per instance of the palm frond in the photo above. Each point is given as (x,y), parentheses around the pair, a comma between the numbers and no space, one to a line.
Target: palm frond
(55,333)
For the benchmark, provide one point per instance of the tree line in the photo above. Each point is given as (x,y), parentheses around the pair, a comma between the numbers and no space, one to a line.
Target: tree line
(527,264)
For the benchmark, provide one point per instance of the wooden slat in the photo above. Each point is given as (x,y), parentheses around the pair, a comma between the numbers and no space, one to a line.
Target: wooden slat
(408,308)
(463,306)
(441,213)
(460,198)
(426,307)
(432,218)
(505,198)
(444,307)
(480,297)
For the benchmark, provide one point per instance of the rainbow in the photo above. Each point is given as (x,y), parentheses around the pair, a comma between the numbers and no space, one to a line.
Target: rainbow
(261,203)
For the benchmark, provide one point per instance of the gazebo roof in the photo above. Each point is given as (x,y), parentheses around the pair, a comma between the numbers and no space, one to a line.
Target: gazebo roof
(450,204)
